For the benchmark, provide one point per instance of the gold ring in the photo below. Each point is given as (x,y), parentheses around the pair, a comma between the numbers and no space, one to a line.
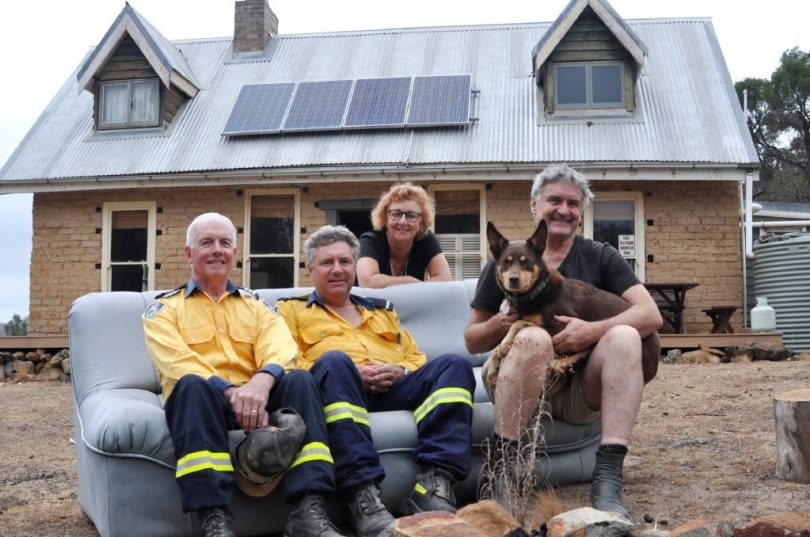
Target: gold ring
(254,411)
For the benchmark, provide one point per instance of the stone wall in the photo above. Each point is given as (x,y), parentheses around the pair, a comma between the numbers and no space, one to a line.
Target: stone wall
(692,233)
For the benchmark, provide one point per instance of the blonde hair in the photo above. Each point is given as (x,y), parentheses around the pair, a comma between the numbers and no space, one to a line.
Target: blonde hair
(404,192)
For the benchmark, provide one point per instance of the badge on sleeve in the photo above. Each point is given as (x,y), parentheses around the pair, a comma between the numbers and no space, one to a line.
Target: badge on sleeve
(152,310)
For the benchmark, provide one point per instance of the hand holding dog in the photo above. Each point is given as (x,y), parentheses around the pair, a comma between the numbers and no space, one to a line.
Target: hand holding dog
(575,334)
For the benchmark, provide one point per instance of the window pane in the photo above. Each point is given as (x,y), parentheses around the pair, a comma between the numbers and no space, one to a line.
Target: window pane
(613,218)
(127,278)
(145,102)
(129,235)
(271,224)
(270,273)
(571,84)
(457,211)
(114,103)
(606,82)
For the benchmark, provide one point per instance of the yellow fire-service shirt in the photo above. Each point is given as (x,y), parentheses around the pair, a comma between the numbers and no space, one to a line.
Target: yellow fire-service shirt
(379,337)
(229,340)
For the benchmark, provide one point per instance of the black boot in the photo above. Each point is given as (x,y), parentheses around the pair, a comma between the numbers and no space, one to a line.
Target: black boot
(433,491)
(309,519)
(369,515)
(216,522)
(606,489)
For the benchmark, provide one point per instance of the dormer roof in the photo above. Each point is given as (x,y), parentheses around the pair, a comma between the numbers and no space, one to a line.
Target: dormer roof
(163,57)
(617,26)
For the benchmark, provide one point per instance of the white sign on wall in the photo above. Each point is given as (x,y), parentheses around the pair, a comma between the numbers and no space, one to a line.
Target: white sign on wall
(627,245)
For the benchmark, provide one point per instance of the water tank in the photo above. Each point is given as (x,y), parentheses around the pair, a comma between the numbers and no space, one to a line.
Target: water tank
(782,274)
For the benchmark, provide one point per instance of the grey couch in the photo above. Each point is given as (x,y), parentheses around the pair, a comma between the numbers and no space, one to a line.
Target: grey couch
(125,456)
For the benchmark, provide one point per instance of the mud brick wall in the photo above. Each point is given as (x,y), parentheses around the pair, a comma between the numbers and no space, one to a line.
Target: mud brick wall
(691,231)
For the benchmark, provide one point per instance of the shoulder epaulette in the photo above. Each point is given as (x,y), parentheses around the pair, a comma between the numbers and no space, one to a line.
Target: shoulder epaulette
(381,303)
(302,298)
(250,292)
(167,294)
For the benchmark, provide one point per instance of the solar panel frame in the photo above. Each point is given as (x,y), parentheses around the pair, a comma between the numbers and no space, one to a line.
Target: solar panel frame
(259,109)
(440,100)
(318,106)
(378,103)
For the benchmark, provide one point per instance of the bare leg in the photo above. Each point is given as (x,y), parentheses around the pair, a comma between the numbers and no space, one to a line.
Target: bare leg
(613,383)
(521,379)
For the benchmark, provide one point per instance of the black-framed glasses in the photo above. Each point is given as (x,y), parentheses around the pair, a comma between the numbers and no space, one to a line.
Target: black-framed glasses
(411,216)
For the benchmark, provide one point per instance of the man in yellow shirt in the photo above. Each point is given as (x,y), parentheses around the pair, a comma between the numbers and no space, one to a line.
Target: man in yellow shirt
(363,360)
(224,360)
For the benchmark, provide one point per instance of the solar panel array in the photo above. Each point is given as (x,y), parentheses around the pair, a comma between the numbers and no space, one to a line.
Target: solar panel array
(369,103)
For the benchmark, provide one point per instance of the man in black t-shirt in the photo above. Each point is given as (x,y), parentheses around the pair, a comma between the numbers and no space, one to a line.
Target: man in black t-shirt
(609,384)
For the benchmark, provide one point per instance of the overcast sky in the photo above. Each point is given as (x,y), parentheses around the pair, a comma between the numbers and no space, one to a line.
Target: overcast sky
(43,41)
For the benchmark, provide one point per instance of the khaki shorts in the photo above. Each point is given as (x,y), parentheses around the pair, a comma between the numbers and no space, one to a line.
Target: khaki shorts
(566,402)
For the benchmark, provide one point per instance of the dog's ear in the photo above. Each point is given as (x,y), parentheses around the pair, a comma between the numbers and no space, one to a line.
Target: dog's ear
(537,241)
(497,242)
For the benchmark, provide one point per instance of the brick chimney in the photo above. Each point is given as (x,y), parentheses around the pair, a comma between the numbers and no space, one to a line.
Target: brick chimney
(254,25)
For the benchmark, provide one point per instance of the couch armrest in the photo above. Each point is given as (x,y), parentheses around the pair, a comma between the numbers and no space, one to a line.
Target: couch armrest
(126,423)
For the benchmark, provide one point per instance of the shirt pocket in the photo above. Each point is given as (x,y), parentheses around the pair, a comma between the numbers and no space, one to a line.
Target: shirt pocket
(197,335)
(312,335)
(391,337)
(242,334)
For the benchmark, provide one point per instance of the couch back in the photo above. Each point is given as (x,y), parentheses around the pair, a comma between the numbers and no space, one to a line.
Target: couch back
(108,351)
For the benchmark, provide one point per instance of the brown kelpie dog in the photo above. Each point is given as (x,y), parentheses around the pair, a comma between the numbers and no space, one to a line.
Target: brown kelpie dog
(539,293)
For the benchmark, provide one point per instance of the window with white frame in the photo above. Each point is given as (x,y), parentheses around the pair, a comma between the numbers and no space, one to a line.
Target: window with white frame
(459,227)
(128,246)
(589,85)
(618,219)
(271,239)
(129,103)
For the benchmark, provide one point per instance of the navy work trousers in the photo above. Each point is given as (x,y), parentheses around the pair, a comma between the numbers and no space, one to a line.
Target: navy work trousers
(440,393)
(199,419)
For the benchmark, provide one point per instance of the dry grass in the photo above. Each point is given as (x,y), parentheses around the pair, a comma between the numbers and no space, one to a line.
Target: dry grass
(704,446)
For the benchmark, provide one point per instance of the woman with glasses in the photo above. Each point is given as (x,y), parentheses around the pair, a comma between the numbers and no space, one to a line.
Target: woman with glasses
(401,249)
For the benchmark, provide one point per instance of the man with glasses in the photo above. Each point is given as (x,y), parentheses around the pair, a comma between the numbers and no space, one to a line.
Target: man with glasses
(401,249)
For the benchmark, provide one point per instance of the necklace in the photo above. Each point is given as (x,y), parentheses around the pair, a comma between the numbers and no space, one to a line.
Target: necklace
(402,272)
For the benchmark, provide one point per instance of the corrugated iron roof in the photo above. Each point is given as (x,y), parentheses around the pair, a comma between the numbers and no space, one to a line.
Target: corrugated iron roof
(687,110)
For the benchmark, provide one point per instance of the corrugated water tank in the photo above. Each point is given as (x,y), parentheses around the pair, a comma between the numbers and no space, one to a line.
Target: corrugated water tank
(782,273)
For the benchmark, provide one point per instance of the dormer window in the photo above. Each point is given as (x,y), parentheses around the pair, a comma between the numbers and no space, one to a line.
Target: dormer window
(589,85)
(129,104)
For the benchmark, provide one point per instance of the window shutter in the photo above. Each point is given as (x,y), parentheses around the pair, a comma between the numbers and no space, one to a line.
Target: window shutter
(463,253)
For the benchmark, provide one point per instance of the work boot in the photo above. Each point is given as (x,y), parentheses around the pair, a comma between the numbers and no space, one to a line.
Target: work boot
(433,491)
(216,522)
(606,489)
(309,519)
(369,515)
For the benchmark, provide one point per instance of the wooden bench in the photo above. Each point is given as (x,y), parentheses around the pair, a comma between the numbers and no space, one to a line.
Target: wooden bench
(720,316)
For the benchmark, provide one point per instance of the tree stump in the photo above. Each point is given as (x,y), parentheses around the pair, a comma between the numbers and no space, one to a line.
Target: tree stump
(792,413)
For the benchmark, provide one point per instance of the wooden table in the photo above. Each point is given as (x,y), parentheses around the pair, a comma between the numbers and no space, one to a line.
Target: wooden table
(670,297)
(721,317)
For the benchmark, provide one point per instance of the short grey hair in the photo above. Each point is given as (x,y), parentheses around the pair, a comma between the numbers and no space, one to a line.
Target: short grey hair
(326,235)
(206,217)
(562,173)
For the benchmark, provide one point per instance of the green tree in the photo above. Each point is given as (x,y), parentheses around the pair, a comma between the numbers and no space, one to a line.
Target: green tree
(17,326)
(779,121)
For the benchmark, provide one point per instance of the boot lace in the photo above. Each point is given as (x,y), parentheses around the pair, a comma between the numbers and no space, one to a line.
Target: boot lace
(368,501)
(216,522)
(312,507)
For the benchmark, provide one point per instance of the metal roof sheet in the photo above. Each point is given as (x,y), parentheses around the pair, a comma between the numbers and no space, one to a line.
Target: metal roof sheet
(687,110)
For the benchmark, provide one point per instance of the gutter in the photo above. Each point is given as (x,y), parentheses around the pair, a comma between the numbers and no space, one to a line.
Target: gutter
(597,171)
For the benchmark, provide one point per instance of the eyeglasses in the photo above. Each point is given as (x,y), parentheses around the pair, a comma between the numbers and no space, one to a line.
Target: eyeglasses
(410,216)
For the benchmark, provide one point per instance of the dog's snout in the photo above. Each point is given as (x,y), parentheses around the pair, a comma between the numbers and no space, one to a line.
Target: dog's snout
(514,281)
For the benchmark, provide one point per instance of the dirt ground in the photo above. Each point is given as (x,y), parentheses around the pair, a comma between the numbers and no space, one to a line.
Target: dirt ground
(704,446)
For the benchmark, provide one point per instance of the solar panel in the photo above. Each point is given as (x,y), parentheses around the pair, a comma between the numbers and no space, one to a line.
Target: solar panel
(318,105)
(378,102)
(259,109)
(440,100)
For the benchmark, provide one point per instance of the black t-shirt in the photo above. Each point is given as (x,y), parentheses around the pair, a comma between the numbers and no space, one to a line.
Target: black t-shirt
(374,244)
(596,262)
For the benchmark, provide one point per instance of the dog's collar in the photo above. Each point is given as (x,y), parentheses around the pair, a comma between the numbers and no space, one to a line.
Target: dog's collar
(533,293)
